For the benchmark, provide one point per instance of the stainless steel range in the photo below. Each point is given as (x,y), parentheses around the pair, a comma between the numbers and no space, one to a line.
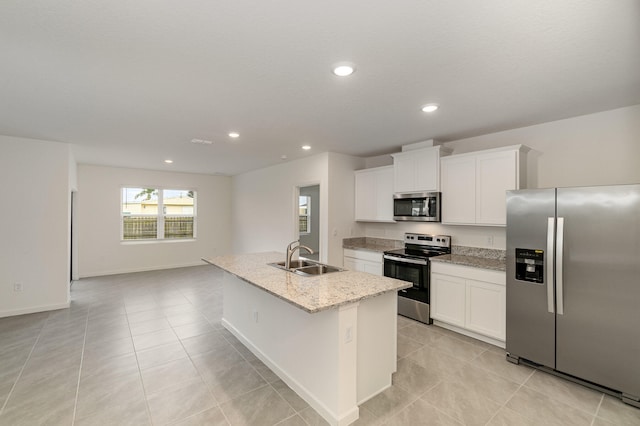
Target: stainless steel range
(412,264)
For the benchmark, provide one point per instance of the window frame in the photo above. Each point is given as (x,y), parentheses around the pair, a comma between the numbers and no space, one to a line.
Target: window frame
(160,215)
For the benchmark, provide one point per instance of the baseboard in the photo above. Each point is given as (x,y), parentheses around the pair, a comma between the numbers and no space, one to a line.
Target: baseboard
(486,339)
(146,269)
(34,309)
(327,414)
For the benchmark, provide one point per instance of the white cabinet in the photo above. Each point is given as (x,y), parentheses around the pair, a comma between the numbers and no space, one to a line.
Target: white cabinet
(374,194)
(458,189)
(448,296)
(363,261)
(470,298)
(417,170)
(486,308)
(474,185)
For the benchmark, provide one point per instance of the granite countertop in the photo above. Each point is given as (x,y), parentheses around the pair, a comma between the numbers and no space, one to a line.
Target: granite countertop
(475,257)
(371,244)
(312,294)
(475,261)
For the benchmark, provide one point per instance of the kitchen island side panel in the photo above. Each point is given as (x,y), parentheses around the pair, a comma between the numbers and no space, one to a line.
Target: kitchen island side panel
(334,359)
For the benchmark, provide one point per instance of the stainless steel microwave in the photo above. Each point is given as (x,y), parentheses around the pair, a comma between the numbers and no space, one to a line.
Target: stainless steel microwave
(420,207)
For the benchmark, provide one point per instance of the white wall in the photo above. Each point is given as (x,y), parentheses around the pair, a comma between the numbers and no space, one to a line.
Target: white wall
(101,252)
(265,207)
(594,149)
(37,177)
(342,203)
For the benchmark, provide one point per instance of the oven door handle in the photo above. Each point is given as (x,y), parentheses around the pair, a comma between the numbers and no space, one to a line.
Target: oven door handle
(405,260)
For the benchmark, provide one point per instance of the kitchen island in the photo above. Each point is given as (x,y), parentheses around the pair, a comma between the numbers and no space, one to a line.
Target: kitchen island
(331,338)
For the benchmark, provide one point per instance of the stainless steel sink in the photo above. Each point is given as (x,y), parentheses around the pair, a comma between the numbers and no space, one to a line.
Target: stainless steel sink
(307,268)
(317,269)
(294,264)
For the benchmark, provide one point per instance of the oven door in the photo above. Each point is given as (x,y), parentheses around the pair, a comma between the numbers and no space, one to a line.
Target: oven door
(415,271)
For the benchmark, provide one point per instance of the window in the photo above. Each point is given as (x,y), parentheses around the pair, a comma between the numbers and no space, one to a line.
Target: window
(304,221)
(158,214)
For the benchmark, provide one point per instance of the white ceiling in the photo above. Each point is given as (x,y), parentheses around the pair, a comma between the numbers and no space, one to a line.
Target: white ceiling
(130,83)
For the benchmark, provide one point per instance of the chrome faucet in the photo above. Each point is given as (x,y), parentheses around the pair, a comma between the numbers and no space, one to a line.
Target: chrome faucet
(291,249)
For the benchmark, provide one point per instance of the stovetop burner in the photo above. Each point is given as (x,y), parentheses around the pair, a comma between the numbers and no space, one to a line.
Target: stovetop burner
(404,252)
(423,246)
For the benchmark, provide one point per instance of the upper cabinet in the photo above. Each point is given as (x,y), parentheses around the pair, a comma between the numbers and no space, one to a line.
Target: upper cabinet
(418,170)
(474,185)
(374,194)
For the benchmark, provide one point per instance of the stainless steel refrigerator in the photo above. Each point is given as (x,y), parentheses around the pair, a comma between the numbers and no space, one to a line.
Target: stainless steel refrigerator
(573,283)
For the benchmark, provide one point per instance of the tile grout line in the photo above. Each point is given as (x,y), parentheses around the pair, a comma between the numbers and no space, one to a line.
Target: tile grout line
(268,383)
(509,399)
(561,401)
(84,342)
(135,353)
(218,405)
(6,401)
(245,360)
(597,409)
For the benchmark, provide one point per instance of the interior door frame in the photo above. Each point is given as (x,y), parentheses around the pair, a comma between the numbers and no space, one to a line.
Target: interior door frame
(296,228)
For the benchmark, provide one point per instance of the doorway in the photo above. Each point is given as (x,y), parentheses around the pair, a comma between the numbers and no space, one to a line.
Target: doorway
(308,220)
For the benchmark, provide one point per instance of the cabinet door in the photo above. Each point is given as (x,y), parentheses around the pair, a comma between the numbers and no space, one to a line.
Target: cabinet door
(486,308)
(495,174)
(360,265)
(427,170)
(374,195)
(349,263)
(404,173)
(448,296)
(458,190)
(372,267)
(365,196)
(384,194)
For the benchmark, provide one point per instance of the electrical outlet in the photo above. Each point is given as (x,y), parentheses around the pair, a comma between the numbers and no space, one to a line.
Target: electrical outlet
(348,336)
(490,240)
(17,287)
(255,316)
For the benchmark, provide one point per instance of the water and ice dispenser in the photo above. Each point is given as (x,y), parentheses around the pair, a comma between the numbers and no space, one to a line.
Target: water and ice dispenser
(530,265)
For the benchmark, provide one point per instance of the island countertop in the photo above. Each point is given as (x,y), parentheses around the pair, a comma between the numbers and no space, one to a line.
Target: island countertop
(311,294)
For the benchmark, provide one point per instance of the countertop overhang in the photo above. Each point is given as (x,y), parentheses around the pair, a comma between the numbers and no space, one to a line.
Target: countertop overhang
(311,294)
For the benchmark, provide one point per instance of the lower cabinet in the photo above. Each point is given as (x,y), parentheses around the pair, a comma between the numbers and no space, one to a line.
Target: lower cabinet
(363,261)
(469,298)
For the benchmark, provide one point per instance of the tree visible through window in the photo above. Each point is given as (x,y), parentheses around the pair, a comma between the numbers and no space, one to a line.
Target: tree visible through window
(157,214)
(304,214)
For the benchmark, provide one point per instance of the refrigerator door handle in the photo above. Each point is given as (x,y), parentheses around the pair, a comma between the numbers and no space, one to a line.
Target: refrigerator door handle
(550,259)
(559,254)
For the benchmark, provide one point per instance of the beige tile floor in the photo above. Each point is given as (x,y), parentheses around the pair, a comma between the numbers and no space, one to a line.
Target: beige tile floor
(148,348)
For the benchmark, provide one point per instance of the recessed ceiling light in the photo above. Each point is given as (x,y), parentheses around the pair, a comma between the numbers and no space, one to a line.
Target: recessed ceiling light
(343,69)
(283,157)
(430,107)
(168,161)
(234,135)
(306,147)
